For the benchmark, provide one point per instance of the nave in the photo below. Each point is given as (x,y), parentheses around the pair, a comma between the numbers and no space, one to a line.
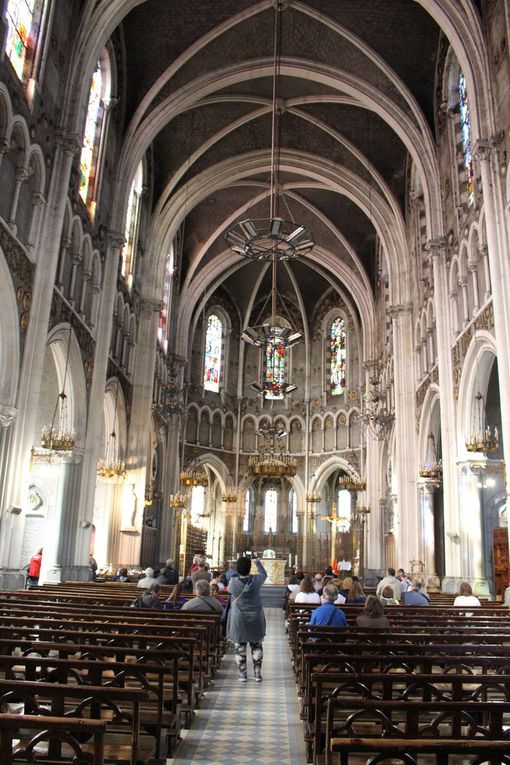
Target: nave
(249,722)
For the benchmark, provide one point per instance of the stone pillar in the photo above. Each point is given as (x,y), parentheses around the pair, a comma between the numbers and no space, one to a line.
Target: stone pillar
(427,552)
(487,153)
(3,28)
(405,427)
(84,509)
(471,539)
(438,250)
(16,473)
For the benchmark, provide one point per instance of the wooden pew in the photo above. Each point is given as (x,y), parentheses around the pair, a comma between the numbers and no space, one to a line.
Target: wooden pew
(66,731)
(120,707)
(413,726)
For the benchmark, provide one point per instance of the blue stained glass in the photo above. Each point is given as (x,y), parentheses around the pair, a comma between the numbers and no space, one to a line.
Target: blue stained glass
(338,350)
(465,128)
(212,361)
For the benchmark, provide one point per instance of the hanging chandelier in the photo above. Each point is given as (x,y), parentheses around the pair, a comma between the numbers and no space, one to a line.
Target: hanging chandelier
(111,466)
(313,497)
(177,501)
(432,467)
(193,475)
(272,460)
(230,498)
(375,415)
(272,240)
(59,436)
(352,483)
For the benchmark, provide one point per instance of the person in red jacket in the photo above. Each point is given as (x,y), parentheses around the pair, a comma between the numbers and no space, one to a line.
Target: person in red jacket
(34,568)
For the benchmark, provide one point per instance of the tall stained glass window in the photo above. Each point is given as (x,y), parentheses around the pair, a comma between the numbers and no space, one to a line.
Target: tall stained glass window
(167,294)
(212,360)
(338,352)
(22,33)
(344,511)
(465,128)
(270,510)
(89,159)
(132,218)
(275,367)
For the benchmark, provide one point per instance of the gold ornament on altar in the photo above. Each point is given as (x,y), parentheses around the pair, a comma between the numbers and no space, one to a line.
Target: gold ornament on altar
(177,501)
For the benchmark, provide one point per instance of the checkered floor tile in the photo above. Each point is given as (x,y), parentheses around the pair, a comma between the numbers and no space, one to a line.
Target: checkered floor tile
(256,723)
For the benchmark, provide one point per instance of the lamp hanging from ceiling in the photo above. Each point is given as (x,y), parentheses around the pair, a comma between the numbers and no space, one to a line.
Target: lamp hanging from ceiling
(375,414)
(482,437)
(193,475)
(110,466)
(272,240)
(59,436)
(272,460)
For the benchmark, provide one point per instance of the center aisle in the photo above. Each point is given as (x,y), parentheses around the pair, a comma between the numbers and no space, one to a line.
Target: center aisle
(250,722)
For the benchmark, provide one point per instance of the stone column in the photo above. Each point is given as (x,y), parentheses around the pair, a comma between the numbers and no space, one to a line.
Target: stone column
(427,552)
(439,252)
(16,473)
(405,431)
(84,509)
(471,538)
(487,153)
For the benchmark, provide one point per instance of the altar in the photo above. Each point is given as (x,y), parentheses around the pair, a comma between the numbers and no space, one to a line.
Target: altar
(275,568)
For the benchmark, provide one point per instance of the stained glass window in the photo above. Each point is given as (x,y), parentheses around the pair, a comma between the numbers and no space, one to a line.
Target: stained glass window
(92,136)
(212,361)
(270,510)
(131,230)
(22,32)
(167,294)
(465,128)
(275,367)
(338,351)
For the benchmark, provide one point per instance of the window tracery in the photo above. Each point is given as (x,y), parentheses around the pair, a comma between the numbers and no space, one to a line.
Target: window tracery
(166,299)
(338,356)
(212,357)
(131,229)
(465,128)
(23,29)
(274,367)
(99,95)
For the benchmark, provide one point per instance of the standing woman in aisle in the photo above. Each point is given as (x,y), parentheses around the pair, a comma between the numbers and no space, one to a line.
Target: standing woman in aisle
(246,620)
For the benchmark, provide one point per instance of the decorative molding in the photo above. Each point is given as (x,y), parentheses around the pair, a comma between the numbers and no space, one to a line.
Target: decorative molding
(399,309)
(17,259)
(7,415)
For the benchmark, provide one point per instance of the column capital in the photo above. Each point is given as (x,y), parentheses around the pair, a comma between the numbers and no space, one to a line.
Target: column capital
(438,247)
(7,415)
(150,305)
(487,149)
(399,309)
(115,239)
(70,142)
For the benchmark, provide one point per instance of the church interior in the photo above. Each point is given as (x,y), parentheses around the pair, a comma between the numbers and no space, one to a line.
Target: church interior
(253,257)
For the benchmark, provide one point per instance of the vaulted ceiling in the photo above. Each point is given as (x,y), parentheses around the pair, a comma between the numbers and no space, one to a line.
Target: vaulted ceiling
(201,73)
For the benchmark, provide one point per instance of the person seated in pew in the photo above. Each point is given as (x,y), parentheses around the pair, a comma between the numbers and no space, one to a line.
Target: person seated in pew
(149,599)
(356,594)
(306,592)
(465,596)
(216,579)
(203,600)
(341,598)
(121,575)
(167,576)
(387,598)
(175,599)
(148,579)
(392,581)
(220,596)
(328,615)
(373,615)
(415,596)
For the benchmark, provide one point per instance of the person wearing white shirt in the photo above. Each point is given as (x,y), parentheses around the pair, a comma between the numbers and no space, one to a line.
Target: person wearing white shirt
(306,592)
(465,596)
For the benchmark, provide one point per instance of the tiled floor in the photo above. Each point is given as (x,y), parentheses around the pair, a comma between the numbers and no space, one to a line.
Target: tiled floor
(256,723)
